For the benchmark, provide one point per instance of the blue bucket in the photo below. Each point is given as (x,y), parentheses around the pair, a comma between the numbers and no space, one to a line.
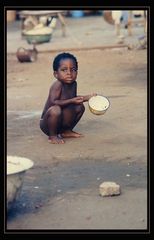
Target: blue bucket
(77,14)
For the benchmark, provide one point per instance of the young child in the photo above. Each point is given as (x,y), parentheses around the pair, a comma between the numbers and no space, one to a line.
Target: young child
(63,108)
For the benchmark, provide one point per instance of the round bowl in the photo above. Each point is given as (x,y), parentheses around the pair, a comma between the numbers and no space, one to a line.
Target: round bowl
(16,169)
(38,38)
(98,105)
(39,34)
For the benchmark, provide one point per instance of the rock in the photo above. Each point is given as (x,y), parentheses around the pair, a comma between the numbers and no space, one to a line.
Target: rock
(109,189)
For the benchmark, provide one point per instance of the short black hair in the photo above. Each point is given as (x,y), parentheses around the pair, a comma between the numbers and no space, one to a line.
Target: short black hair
(62,56)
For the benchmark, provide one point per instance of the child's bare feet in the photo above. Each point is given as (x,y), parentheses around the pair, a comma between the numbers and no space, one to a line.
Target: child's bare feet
(71,134)
(55,140)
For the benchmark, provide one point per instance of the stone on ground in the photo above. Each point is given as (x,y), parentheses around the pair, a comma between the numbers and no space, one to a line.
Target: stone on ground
(109,189)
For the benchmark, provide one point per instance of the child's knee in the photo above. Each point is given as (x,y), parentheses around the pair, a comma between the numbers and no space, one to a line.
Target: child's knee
(55,110)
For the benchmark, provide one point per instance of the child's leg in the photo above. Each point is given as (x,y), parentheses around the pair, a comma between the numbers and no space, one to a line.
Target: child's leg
(51,123)
(71,117)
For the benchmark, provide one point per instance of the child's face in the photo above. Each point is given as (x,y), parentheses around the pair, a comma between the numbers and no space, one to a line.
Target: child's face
(67,71)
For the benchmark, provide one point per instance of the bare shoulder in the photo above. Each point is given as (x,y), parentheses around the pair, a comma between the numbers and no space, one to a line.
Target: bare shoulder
(57,85)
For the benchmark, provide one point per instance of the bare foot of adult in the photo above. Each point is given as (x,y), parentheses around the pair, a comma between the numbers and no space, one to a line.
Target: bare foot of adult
(55,140)
(71,134)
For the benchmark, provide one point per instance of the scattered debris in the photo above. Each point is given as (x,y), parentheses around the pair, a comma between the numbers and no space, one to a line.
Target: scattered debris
(127,175)
(38,205)
(59,190)
(142,220)
(120,39)
(142,42)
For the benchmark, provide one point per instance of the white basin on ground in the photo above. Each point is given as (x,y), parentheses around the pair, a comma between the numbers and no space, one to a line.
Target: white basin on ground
(16,168)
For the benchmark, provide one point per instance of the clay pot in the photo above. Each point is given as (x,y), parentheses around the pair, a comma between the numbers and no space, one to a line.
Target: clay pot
(26,55)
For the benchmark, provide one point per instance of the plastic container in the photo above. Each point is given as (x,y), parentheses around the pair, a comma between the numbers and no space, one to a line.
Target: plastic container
(77,14)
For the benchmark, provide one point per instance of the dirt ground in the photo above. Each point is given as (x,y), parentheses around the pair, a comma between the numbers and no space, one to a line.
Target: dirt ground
(61,191)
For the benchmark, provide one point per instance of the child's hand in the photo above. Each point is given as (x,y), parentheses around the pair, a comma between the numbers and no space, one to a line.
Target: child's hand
(77,100)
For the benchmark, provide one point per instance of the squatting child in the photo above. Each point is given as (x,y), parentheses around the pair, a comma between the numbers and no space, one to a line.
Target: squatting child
(63,108)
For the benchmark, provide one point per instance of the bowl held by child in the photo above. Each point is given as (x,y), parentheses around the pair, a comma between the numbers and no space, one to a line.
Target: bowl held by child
(98,104)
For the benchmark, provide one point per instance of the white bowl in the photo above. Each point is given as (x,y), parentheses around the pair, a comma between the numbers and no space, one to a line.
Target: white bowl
(98,104)
(16,168)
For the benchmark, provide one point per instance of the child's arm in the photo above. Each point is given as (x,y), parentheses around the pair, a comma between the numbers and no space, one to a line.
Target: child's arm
(75,100)
(87,97)
(55,94)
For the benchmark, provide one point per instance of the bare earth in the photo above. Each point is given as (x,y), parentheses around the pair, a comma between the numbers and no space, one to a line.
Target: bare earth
(61,191)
